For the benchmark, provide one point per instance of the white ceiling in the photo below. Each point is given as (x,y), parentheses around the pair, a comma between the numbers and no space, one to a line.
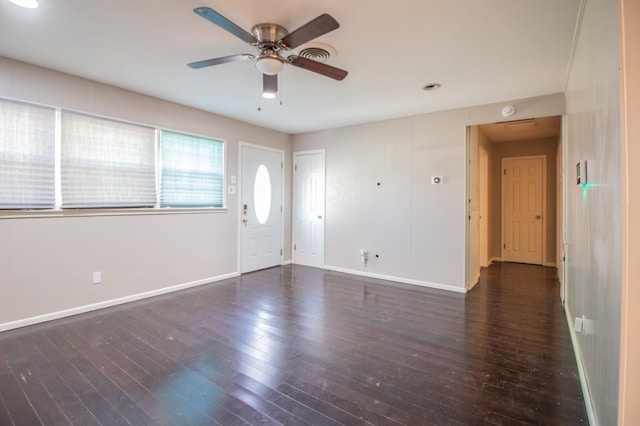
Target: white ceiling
(479,51)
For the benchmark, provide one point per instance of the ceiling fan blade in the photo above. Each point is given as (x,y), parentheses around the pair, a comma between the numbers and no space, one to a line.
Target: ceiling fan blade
(318,67)
(312,29)
(213,16)
(223,60)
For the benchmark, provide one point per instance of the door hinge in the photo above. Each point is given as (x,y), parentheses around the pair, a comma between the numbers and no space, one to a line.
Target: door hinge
(280,252)
(505,171)
(295,247)
(504,246)
(295,167)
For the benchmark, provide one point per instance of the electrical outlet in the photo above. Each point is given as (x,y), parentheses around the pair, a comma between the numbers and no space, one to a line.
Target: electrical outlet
(97,277)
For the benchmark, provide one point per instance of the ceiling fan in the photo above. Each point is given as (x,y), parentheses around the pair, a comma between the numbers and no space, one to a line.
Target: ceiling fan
(271,40)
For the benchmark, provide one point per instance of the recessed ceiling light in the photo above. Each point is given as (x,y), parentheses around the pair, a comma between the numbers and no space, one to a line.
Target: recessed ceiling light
(432,86)
(28,4)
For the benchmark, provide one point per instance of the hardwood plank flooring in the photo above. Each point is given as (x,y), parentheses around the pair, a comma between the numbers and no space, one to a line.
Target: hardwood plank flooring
(301,346)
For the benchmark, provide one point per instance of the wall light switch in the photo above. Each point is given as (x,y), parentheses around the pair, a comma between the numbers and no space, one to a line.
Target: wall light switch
(97,277)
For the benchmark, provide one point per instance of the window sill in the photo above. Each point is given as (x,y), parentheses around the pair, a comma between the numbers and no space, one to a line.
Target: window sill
(35,214)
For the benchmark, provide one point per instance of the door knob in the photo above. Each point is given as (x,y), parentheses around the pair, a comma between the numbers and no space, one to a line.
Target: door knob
(245,220)
(319,216)
(538,216)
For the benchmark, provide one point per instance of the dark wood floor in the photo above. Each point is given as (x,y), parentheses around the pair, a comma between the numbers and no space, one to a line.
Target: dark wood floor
(297,345)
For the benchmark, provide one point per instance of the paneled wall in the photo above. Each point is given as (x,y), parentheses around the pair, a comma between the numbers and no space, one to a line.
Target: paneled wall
(594,210)
(417,229)
(46,264)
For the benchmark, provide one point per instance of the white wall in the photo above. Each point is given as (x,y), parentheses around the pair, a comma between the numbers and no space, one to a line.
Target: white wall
(416,228)
(594,213)
(46,264)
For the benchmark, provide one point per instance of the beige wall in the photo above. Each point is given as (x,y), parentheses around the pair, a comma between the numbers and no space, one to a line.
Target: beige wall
(493,234)
(547,148)
(629,16)
(46,263)
(418,229)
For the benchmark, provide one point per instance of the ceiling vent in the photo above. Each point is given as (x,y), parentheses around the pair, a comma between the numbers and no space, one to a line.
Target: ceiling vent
(318,52)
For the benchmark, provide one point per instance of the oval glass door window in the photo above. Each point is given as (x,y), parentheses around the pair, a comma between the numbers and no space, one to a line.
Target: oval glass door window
(262,194)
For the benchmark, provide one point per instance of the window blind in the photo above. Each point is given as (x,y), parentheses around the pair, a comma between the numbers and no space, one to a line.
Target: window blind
(106,163)
(191,172)
(27,156)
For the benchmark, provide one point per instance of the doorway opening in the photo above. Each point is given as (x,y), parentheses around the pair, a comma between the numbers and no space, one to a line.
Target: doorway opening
(488,145)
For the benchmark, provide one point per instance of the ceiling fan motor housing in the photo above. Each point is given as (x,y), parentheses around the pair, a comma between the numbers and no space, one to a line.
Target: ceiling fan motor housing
(269,34)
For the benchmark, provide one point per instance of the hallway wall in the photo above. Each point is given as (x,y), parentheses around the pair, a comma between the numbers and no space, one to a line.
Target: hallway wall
(594,210)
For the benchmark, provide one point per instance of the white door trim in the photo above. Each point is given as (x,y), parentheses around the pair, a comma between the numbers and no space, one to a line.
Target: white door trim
(239,199)
(293,202)
(544,200)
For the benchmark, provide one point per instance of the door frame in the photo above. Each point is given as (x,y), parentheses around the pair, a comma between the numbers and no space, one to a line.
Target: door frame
(242,145)
(483,197)
(472,145)
(544,202)
(293,201)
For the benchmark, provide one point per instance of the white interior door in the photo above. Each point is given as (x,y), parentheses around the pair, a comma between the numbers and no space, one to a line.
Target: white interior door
(522,209)
(308,211)
(261,208)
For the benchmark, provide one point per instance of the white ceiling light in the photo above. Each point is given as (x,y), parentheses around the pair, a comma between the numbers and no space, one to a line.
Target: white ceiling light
(28,4)
(521,124)
(269,64)
(269,87)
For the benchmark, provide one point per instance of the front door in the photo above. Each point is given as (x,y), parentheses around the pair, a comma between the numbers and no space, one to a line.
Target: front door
(308,210)
(261,208)
(522,209)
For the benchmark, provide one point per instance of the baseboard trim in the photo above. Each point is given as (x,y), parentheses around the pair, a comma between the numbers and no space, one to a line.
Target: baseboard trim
(108,303)
(397,279)
(495,259)
(287,262)
(551,264)
(586,394)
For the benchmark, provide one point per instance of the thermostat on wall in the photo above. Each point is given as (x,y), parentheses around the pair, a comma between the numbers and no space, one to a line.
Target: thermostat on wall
(581,172)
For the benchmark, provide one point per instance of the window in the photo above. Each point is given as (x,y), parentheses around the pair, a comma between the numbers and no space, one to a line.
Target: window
(57,159)
(191,172)
(27,156)
(106,163)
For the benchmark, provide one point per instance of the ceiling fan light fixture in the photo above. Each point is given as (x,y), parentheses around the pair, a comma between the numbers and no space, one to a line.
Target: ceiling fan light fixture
(269,64)
(269,86)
